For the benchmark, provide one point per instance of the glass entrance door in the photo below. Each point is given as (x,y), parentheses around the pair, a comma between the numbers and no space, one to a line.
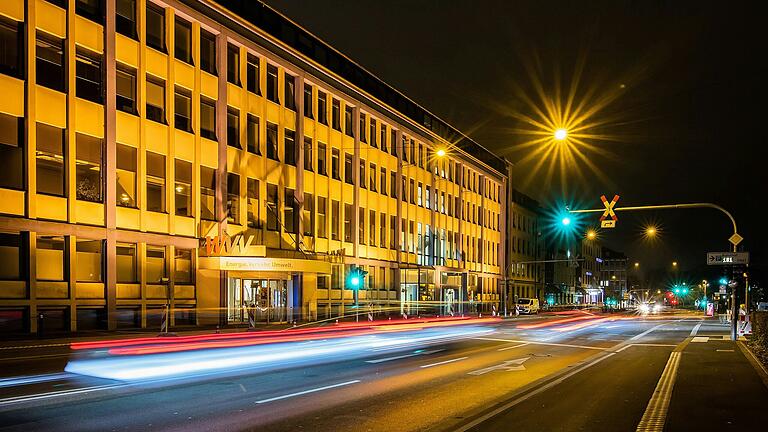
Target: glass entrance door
(267,298)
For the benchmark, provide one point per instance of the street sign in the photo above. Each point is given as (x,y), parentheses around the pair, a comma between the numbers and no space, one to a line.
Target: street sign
(608,223)
(735,239)
(727,258)
(609,208)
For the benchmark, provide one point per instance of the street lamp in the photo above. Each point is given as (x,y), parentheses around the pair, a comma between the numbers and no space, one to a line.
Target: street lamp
(561,134)
(591,234)
(440,153)
(674,263)
(637,264)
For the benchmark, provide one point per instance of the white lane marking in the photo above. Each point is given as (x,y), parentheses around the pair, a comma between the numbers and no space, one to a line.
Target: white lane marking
(19,399)
(513,346)
(507,366)
(385,359)
(544,343)
(443,362)
(695,329)
(656,412)
(724,350)
(636,337)
(643,344)
(314,390)
(33,346)
(22,380)
(527,396)
(700,339)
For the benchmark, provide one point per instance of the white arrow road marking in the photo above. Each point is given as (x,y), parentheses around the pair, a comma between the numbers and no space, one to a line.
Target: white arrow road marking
(507,366)
(380,360)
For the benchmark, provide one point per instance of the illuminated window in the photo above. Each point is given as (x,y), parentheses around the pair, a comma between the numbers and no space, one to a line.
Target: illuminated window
(207,193)
(233,198)
(155,182)
(273,207)
(125,86)
(322,217)
(11,152)
(89,260)
(126,176)
(126,263)
(50,160)
(183,272)
(182,110)
(155,100)
(289,211)
(88,162)
(155,264)
(308,215)
(182,40)
(155,22)
(51,252)
(183,187)
(254,208)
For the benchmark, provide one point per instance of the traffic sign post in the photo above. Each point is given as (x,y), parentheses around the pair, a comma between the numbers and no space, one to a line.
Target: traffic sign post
(604,221)
(727,258)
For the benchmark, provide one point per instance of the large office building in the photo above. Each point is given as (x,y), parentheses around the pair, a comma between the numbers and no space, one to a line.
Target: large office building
(216,157)
(525,249)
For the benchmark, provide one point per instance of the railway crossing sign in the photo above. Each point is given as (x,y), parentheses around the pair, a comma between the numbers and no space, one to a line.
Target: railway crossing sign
(609,213)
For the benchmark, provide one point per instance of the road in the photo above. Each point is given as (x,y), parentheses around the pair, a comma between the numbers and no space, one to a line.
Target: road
(543,373)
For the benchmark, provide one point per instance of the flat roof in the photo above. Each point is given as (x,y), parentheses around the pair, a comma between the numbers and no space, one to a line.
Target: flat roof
(293,35)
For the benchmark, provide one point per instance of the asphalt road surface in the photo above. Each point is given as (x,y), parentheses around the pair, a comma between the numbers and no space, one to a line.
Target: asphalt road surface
(536,374)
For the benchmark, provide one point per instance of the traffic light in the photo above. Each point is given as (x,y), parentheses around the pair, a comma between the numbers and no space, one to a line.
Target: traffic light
(356,277)
(723,281)
(685,290)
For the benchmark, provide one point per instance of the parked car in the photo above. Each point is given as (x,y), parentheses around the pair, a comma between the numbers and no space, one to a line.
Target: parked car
(527,306)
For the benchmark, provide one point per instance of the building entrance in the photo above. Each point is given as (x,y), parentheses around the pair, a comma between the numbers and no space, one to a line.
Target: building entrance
(266,298)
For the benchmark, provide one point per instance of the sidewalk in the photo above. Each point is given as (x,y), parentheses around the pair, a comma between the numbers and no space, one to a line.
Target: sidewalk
(717,387)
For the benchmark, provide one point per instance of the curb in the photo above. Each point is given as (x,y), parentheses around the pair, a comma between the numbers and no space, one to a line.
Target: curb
(759,367)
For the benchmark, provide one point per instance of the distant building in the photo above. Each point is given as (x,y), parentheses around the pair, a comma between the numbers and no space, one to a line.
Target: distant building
(614,275)
(589,288)
(525,246)
(560,276)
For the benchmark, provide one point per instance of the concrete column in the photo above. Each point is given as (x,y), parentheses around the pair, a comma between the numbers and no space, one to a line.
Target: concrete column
(110,165)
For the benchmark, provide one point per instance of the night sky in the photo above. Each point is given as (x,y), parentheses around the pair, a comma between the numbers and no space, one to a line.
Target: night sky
(685,80)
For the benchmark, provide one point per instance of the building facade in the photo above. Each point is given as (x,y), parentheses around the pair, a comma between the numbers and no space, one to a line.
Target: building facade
(217,158)
(614,276)
(525,249)
(590,289)
(560,275)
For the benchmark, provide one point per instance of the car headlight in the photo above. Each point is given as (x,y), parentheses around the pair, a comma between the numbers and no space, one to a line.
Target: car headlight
(644,308)
(657,308)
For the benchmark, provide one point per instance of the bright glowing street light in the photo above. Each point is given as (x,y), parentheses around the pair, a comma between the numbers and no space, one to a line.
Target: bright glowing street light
(561,134)
(637,264)
(650,231)
(566,221)
(591,234)
(441,153)
(674,263)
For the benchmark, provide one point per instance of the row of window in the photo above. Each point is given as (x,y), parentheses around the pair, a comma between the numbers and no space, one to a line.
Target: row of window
(52,260)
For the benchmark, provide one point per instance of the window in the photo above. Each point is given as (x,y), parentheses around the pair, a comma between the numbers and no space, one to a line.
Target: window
(308,111)
(207,119)
(308,159)
(322,107)
(335,209)
(393,143)
(383,181)
(50,62)
(308,214)
(349,174)
(51,254)
(125,18)
(372,227)
(90,9)
(336,114)
(254,209)
(362,178)
(253,71)
(348,215)
(155,100)
(155,182)
(126,176)
(155,27)
(182,40)
(273,206)
(207,193)
(233,198)
(392,228)
(322,217)
(413,151)
(155,264)
(322,154)
(88,162)
(361,225)
(412,191)
(272,141)
(207,52)
(405,148)
(289,147)
(89,260)
(11,151)
(272,83)
(126,263)
(11,47)
(290,92)
(125,87)
(405,190)
(372,132)
(50,160)
(253,134)
(372,178)
(428,198)
(393,184)
(233,64)
(233,127)
(289,211)
(419,197)
(11,255)
(335,164)
(348,121)
(183,270)
(383,138)
(182,117)
(362,128)
(183,188)
(421,156)
(382,230)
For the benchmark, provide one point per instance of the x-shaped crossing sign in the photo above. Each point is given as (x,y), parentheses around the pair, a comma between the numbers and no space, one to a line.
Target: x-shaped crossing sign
(609,207)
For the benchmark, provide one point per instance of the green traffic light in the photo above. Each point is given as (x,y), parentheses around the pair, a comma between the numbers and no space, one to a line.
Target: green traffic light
(566,221)
(355,281)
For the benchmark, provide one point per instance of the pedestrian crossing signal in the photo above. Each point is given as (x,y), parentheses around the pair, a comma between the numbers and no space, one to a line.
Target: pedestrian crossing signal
(356,277)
